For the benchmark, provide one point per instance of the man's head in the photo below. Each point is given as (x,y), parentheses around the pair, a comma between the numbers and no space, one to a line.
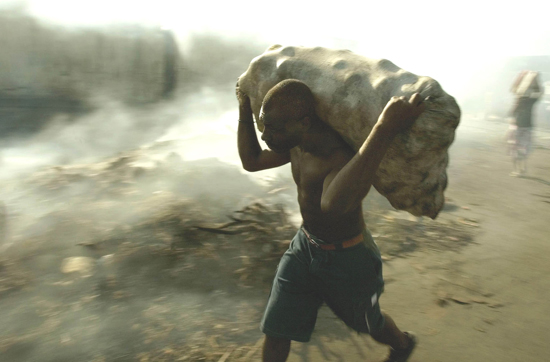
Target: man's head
(288,110)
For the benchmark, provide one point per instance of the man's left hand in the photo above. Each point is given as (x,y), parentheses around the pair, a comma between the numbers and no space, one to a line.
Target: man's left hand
(400,113)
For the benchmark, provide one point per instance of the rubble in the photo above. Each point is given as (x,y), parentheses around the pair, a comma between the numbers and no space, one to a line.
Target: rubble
(464,291)
(3,223)
(12,276)
(399,234)
(182,275)
(78,264)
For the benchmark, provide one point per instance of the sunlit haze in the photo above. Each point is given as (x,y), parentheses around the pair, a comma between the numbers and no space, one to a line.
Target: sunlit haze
(140,221)
(444,40)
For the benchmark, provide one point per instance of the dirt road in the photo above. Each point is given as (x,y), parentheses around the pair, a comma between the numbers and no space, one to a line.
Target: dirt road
(486,302)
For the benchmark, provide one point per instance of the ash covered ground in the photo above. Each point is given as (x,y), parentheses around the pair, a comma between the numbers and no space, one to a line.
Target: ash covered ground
(144,256)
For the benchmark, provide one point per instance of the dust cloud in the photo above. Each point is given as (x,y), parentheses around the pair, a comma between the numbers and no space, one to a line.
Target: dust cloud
(75,98)
(116,144)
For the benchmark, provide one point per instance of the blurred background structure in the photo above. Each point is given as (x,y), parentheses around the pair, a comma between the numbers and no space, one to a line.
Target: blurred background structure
(47,70)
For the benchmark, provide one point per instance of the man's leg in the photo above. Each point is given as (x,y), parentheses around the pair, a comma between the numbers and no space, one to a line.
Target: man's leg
(391,335)
(523,169)
(275,349)
(516,161)
(293,303)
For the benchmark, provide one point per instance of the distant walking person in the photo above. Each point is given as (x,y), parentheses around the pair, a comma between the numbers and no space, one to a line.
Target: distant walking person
(527,90)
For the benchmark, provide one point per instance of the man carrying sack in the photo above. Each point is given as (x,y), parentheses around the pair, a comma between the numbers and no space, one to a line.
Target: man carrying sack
(333,258)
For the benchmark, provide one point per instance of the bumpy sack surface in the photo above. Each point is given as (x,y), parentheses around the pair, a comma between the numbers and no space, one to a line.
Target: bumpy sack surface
(351,91)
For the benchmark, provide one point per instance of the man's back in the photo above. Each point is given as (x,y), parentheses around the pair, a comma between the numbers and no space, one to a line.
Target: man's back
(523,111)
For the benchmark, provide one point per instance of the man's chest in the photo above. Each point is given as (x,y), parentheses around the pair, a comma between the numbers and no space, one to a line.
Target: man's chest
(308,171)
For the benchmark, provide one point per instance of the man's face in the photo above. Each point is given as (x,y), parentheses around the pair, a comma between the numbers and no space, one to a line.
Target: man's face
(282,132)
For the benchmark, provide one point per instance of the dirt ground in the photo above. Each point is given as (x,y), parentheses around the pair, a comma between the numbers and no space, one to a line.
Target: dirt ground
(116,261)
(501,281)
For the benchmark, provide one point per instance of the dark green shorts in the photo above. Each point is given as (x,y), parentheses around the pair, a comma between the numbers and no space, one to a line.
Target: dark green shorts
(349,281)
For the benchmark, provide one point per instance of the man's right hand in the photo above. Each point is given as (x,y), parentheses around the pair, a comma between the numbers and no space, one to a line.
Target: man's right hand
(400,113)
(244,100)
(252,156)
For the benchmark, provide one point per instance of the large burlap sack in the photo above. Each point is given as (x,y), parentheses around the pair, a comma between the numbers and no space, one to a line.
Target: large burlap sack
(351,92)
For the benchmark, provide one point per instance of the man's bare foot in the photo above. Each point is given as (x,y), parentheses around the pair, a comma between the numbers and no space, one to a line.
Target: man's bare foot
(402,355)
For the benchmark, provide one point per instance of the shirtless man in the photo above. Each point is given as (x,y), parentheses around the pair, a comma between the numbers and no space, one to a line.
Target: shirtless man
(333,258)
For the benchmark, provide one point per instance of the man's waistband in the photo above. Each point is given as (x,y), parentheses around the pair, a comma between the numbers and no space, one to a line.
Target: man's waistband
(334,246)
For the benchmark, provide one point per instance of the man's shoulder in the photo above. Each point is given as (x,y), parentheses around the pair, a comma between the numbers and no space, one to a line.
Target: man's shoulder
(338,144)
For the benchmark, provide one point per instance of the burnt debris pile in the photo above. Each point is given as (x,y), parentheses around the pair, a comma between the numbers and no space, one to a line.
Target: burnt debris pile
(175,255)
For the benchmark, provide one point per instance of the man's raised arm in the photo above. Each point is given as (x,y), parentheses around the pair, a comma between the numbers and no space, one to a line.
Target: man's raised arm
(344,189)
(252,156)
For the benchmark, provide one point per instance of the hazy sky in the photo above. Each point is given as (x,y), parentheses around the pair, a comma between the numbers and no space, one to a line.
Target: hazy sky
(489,27)
(441,39)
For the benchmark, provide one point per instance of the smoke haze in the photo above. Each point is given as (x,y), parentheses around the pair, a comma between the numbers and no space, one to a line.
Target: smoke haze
(118,129)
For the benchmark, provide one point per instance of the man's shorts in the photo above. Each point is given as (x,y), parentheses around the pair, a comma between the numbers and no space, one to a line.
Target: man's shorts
(349,281)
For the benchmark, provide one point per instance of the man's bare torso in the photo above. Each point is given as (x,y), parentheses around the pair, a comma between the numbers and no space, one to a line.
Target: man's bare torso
(309,170)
